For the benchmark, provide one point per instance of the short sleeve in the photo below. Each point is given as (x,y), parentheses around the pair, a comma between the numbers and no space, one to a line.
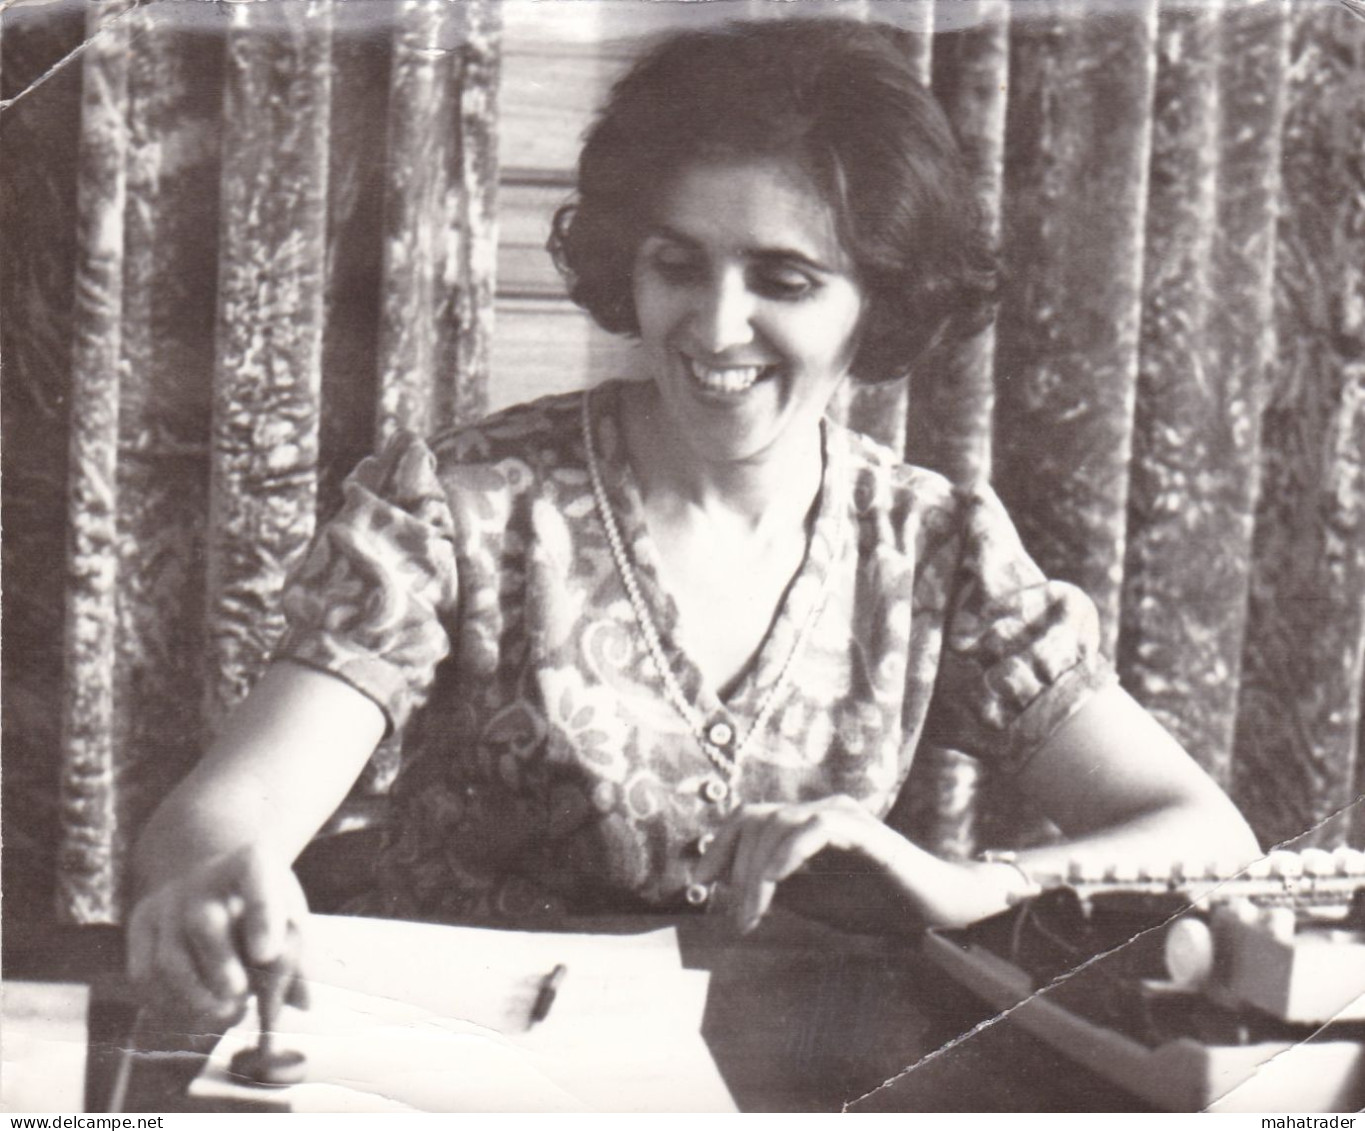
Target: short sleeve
(1020,653)
(372,600)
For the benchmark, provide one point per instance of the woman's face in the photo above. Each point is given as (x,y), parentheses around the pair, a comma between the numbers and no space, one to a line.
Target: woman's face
(748,306)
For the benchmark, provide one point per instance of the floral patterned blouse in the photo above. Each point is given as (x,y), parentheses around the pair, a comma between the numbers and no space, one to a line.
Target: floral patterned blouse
(468,587)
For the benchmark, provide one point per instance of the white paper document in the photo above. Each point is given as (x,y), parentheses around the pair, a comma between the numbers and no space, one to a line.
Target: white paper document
(408,1016)
(43,1046)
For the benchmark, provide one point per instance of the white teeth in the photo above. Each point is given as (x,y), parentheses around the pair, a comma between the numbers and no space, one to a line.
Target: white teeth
(730,379)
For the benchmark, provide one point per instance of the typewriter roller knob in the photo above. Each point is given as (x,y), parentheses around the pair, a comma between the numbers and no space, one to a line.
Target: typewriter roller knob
(1189,952)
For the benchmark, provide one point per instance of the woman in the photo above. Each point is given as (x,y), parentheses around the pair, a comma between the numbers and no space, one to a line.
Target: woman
(678,638)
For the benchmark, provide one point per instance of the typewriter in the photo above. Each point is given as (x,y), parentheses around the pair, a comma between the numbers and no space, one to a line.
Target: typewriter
(1191,988)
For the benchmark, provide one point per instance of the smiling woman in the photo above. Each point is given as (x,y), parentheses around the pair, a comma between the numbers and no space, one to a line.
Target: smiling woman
(840,102)
(749,313)
(749,310)
(670,642)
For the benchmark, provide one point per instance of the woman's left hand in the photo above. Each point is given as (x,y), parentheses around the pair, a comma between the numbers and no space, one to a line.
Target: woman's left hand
(759,846)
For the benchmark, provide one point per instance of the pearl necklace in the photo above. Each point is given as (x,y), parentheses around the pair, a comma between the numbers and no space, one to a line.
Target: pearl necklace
(716,750)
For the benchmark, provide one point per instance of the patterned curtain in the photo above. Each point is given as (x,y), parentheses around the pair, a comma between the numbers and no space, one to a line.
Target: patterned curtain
(246,241)
(1173,402)
(234,204)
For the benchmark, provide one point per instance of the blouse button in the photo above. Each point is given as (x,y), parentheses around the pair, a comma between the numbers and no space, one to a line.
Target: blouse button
(720,734)
(715,790)
(704,842)
(697,894)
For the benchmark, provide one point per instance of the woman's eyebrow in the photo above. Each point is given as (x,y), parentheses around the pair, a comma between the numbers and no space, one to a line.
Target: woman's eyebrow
(762,254)
(790,255)
(672,235)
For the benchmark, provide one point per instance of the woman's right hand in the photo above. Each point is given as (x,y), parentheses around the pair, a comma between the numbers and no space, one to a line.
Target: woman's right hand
(213,865)
(192,940)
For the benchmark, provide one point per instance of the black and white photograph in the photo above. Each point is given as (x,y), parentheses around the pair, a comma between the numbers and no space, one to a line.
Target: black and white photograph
(668,556)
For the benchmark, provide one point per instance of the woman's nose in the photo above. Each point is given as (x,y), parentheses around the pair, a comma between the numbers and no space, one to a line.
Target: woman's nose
(724,315)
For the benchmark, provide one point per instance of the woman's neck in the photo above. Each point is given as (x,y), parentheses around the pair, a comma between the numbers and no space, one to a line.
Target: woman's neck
(730,535)
(763,495)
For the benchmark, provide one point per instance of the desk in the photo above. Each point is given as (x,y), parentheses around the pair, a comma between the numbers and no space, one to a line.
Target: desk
(799,1018)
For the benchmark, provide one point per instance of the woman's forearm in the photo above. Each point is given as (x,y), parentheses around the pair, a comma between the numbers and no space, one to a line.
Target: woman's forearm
(283,762)
(202,818)
(892,886)
(1210,835)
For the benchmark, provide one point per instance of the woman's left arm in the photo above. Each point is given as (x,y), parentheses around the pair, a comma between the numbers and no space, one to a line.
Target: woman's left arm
(1115,781)
(1121,788)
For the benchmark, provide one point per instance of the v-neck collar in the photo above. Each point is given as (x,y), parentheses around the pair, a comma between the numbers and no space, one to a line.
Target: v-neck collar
(798,603)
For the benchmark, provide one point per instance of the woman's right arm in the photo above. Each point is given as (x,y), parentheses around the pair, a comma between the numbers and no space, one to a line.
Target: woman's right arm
(212,872)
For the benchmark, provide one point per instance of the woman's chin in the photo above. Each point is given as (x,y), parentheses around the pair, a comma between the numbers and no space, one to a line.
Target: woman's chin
(733,424)
(720,425)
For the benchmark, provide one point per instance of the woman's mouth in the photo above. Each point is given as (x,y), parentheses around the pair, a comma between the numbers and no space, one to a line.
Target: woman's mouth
(729,379)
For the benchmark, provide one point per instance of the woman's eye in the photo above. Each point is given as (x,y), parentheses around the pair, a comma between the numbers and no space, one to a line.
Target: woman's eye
(676,266)
(784,284)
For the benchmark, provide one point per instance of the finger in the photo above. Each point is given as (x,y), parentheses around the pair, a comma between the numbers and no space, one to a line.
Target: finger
(758,898)
(785,847)
(179,986)
(716,864)
(752,890)
(141,947)
(298,994)
(267,903)
(800,845)
(209,932)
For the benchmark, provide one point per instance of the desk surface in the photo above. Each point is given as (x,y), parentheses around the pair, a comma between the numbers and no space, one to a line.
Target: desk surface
(799,1017)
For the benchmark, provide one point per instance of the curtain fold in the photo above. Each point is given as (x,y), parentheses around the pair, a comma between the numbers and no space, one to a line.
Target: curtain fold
(440,231)
(249,241)
(1205,354)
(263,475)
(1077,142)
(1297,754)
(87,869)
(216,261)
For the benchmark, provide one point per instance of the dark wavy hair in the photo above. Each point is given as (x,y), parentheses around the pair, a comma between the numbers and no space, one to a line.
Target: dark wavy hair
(841,97)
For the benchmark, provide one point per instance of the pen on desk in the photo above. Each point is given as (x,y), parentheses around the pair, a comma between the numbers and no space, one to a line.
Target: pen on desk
(545,996)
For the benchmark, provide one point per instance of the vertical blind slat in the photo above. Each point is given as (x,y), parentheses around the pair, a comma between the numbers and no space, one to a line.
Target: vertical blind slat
(1066,343)
(86,879)
(1300,717)
(263,480)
